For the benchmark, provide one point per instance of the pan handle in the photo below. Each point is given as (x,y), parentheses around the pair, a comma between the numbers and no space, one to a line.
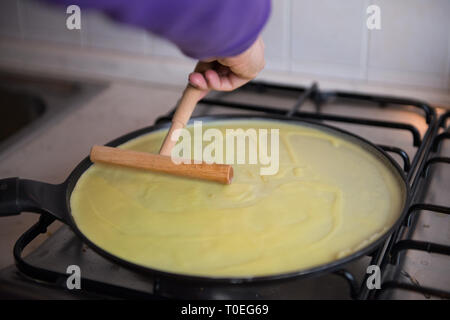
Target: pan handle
(19,195)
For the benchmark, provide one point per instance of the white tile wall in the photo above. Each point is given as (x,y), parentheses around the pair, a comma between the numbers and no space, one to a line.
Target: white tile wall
(329,37)
(100,31)
(44,22)
(9,18)
(164,48)
(276,36)
(412,46)
(447,69)
(323,39)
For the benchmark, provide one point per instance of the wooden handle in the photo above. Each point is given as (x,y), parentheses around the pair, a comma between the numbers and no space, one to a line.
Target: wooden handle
(140,160)
(186,106)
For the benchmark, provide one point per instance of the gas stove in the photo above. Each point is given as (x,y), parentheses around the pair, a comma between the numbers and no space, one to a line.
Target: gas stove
(413,262)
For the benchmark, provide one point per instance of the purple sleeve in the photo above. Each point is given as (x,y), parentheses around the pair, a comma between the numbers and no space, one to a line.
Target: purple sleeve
(200,28)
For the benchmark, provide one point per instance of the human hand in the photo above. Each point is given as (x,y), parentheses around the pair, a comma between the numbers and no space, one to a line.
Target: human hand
(227,74)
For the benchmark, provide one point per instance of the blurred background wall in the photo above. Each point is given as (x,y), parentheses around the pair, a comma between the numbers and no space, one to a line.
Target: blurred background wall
(306,40)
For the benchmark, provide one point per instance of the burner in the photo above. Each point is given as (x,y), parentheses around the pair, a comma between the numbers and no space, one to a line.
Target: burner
(413,261)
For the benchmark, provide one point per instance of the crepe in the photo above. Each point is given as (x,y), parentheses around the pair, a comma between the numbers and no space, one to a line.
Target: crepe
(329,199)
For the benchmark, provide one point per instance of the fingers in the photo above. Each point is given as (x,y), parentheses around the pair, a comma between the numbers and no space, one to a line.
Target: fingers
(210,80)
(197,80)
(236,81)
(249,63)
(227,74)
(214,80)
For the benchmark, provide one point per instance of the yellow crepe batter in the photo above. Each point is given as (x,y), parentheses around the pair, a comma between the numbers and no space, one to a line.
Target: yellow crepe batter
(329,199)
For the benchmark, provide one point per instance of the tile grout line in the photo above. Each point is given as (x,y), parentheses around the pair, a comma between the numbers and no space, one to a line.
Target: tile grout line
(447,78)
(20,19)
(368,41)
(289,37)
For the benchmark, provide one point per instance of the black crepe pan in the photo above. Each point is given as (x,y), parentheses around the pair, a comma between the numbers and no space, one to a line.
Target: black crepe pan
(20,195)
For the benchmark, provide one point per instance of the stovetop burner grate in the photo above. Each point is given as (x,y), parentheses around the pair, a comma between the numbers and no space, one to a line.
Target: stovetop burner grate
(416,170)
(396,246)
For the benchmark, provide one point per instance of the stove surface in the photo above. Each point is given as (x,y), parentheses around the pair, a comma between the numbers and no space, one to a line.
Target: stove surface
(414,268)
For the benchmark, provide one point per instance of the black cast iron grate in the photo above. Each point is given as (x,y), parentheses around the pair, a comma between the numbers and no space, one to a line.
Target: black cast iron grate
(396,246)
(416,170)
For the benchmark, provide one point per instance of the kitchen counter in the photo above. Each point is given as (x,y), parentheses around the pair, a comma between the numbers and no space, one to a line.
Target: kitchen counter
(50,153)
